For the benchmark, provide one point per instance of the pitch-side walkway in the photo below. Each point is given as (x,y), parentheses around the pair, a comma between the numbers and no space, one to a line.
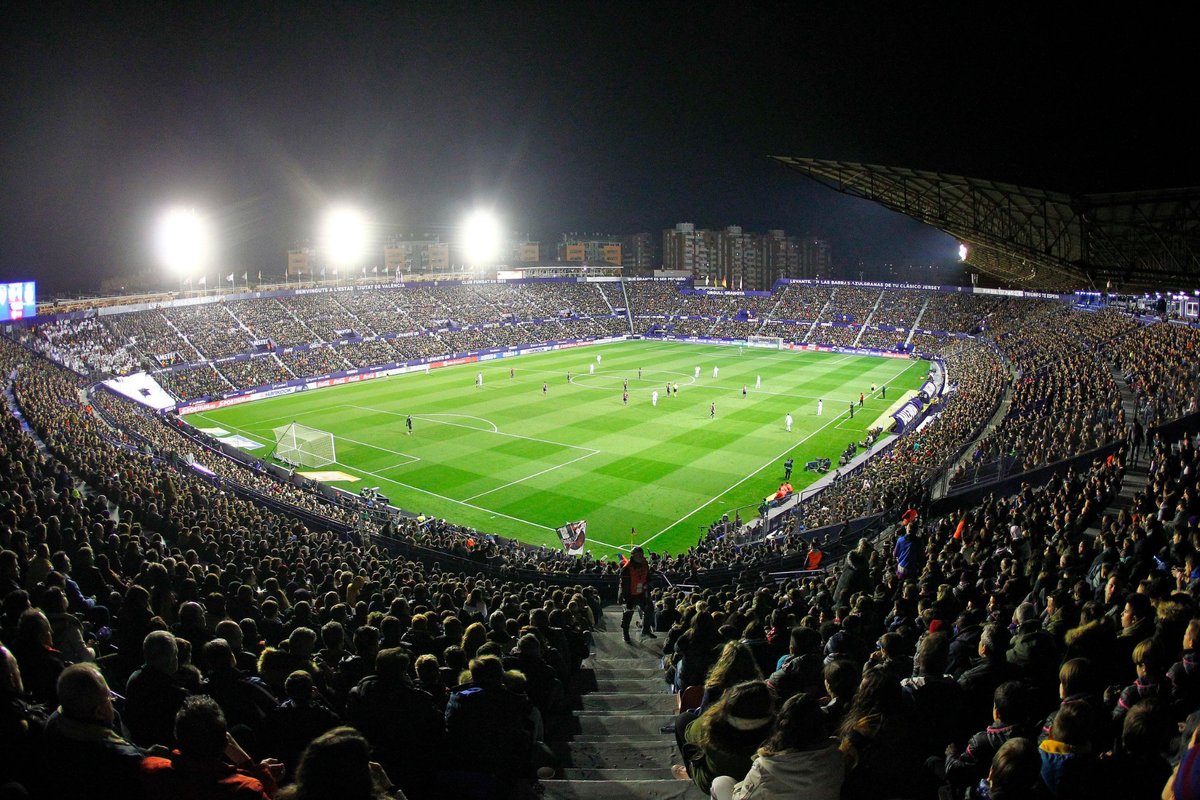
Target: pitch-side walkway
(613,747)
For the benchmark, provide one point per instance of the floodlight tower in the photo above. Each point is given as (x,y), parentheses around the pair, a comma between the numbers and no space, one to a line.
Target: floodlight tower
(184,242)
(343,237)
(480,238)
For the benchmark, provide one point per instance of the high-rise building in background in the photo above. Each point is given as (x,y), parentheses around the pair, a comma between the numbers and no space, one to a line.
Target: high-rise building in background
(736,259)
(815,259)
(640,254)
(416,256)
(523,251)
(686,249)
(596,250)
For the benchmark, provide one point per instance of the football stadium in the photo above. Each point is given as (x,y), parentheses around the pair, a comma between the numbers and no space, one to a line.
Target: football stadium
(427,510)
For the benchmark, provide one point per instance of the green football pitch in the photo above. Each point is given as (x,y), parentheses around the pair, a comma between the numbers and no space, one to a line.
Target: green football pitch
(511,458)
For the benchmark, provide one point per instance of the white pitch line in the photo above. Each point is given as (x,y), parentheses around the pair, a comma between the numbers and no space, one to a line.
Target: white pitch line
(498,432)
(411,458)
(534,475)
(790,448)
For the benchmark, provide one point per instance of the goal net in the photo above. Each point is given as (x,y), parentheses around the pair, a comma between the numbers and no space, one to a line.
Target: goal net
(302,446)
(768,342)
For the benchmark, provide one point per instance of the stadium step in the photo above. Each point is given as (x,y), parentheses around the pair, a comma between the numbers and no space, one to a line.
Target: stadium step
(668,789)
(652,703)
(613,747)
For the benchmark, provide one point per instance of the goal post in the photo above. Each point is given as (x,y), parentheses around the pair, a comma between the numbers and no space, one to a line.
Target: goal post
(765,342)
(302,446)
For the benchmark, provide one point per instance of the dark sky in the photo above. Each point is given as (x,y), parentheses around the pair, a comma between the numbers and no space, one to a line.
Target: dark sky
(613,117)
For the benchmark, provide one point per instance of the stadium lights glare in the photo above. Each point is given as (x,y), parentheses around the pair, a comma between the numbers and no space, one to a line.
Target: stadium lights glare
(343,240)
(962,252)
(481,237)
(184,241)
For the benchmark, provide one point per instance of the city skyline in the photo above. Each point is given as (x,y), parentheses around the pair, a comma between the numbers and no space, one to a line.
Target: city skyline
(261,117)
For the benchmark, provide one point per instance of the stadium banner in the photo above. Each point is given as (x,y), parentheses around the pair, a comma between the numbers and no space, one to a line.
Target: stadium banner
(909,413)
(573,536)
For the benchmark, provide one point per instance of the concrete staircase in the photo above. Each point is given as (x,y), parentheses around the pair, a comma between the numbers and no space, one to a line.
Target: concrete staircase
(612,746)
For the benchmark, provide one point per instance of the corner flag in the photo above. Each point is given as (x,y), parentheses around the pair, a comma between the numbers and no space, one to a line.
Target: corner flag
(573,536)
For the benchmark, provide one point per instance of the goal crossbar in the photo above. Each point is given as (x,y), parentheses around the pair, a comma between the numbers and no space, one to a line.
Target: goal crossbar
(302,446)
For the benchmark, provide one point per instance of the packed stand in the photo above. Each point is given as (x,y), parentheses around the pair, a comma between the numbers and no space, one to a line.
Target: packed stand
(86,346)
(801,302)
(246,648)
(316,360)
(191,383)
(269,319)
(1161,364)
(1000,652)
(1064,400)
(851,304)
(254,371)
(210,328)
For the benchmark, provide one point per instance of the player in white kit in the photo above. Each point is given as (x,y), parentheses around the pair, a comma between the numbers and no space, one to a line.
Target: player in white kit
(787,423)
(820,407)
(654,398)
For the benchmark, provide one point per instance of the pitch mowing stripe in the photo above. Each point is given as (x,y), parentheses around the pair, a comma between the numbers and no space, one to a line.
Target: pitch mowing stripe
(764,466)
(691,454)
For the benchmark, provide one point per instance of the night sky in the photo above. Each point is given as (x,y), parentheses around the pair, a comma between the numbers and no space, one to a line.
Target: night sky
(613,118)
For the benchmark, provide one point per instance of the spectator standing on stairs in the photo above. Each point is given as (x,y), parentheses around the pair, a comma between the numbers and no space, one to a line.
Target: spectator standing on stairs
(634,593)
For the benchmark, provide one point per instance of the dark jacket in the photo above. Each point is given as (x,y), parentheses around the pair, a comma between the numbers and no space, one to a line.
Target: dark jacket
(404,729)
(152,698)
(290,727)
(493,724)
(87,761)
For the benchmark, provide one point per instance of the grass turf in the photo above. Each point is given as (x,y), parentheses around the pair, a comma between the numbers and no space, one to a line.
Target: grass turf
(511,459)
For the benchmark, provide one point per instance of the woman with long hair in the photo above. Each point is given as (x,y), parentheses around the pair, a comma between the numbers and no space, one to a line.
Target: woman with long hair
(724,739)
(800,759)
(337,766)
(474,637)
(878,742)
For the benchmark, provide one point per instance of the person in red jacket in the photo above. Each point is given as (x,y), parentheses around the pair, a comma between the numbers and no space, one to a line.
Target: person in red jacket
(209,764)
(635,593)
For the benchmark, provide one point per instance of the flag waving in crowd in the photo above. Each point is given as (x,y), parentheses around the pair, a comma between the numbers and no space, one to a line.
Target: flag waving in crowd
(573,536)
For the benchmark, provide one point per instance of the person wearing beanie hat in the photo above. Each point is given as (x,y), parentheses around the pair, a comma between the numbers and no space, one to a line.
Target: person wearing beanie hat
(725,738)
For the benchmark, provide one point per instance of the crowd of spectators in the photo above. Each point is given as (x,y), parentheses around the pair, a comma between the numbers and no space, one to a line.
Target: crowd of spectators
(652,299)
(1064,399)
(269,319)
(851,304)
(1024,647)
(87,346)
(216,617)
(322,314)
(190,383)
(901,307)
(210,328)
(835,335)
(257,370)
(316,360)
(801,302)
(999,651)
(1161,364)
(881,339)
(368,353)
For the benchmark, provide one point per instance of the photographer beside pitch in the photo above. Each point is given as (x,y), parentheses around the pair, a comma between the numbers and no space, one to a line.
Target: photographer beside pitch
(634,593)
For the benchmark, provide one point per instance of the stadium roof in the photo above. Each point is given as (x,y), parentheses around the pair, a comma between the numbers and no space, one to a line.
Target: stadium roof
(1038,239)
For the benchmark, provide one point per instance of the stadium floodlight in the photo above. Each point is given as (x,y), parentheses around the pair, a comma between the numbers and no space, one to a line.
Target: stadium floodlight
(962,251)
(481,237)
(343,240)
(184,241)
